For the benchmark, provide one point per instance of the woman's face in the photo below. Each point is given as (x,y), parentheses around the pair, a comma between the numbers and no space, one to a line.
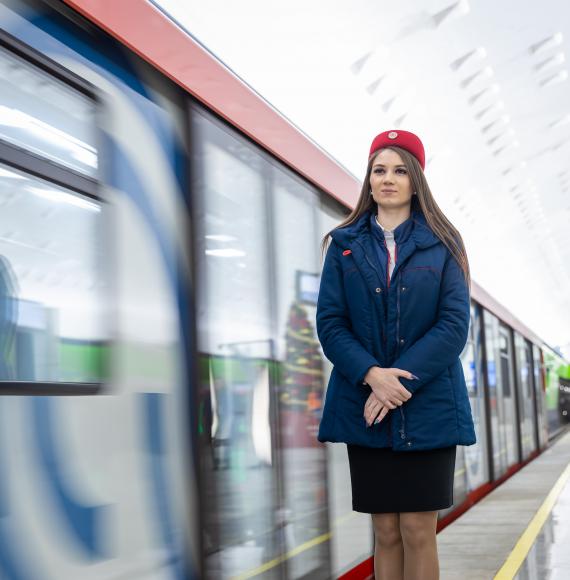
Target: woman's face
(389,180)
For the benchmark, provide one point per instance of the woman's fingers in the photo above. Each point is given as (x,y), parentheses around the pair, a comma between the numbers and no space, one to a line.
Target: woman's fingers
(381,415)
(392,397)
(372,412)
(375,412)
(370,418)
(376,409)
(400,394)
(371,408)
(404,394)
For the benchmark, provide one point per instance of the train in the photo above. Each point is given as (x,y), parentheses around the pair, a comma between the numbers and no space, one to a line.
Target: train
(161,379)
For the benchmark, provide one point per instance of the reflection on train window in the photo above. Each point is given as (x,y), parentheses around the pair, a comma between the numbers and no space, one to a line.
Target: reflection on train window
(42,115)
(301,385)
(51,315)
(261,365)
(235,335)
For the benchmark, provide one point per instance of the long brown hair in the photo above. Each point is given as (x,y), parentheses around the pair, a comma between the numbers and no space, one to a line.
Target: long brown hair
(423,202)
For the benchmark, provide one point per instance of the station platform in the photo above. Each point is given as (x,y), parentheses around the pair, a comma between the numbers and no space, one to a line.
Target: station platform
(520,530)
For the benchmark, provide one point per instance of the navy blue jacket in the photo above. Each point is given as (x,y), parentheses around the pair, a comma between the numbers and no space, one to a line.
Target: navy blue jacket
(417,321)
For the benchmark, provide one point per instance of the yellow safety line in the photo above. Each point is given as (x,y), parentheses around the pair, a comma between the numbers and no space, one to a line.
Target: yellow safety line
(301,548)
(276,561)
(523,546)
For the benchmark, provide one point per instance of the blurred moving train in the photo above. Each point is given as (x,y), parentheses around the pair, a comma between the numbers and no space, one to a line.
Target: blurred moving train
(161,381)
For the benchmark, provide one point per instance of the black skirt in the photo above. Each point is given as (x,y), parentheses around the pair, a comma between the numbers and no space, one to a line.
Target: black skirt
(387,481)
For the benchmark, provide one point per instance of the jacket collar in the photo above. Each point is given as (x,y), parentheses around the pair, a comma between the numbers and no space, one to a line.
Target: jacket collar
(415,227)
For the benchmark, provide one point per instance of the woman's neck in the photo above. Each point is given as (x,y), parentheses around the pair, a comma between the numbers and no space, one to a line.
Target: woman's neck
(391,220)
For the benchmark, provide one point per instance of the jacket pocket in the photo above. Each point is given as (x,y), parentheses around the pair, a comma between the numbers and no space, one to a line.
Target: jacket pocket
(350,406)
(431,414)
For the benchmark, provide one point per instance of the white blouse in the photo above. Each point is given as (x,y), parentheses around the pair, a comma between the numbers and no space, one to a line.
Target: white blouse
(391,243)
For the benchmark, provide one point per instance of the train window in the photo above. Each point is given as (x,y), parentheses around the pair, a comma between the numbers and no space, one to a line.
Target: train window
(301,391)
(52,338)
(42,115)
(50,299)
(234,335)
(262,384)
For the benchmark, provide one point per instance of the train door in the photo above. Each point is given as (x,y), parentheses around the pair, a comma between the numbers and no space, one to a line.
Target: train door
(352,537)
(526,402)
(296,220)
(501,396)
(264,474)
(508,400)
(540,396)
(471,469)
(476,466)
(90,485)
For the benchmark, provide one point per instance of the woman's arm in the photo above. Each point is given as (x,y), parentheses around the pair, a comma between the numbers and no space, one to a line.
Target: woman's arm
(334,328)
(440,346)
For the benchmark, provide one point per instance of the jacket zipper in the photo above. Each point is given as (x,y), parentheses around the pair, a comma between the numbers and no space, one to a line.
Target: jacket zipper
(398,290)
(398,319)
(387,264)
(397,305)
(388,300)
(403,426)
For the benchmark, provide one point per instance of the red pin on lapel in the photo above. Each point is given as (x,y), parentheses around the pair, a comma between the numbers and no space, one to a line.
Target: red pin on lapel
(346,252)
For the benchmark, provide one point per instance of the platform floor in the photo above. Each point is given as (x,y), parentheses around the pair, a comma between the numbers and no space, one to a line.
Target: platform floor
(479,543)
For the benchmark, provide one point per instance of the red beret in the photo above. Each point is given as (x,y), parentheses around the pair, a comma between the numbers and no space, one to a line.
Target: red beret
(403,139)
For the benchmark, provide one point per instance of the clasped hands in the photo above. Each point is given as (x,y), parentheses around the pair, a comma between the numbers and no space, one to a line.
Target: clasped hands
(387,392)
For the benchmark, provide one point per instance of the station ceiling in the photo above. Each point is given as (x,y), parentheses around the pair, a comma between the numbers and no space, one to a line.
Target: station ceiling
(484,84)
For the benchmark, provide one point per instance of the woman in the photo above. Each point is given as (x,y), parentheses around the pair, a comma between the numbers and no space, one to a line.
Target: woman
(393,316)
